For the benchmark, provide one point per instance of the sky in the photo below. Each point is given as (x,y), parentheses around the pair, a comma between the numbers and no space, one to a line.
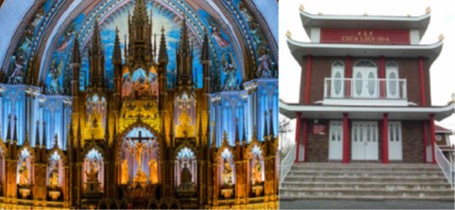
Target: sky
(442,72)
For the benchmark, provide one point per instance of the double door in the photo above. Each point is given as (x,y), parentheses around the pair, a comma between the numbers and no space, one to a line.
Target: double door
(364,140)
(365,82)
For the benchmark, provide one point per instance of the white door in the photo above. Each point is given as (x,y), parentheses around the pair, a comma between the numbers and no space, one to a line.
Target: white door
(364,141)
(395,143)
(336,140)
(365,83)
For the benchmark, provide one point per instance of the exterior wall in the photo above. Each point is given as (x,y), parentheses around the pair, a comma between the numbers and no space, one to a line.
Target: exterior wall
(412,142)
(408,69)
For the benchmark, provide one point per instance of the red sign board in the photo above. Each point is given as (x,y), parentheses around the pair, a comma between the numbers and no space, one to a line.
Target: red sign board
(319,129)
(365,36)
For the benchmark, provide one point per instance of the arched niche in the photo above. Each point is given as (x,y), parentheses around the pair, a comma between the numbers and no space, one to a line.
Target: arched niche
(24,178)
(227,168)
(185,114)
(93,171)
(55,174)
(139,156)
(185,168)
(96,111)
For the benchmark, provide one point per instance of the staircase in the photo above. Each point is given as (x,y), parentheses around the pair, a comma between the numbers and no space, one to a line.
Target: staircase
(366,181)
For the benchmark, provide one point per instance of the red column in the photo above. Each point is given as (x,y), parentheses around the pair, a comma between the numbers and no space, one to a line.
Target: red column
(345,138)
(297,137)
(425,141)
(305,139)
(348,71)
(385,139)
(422,83)
(381,76)
(308,79)
(433,138)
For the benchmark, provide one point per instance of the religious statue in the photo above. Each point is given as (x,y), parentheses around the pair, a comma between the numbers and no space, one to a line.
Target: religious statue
(23,174)
(54,73)
(186,176)
(92,173)
(256,171)
(53,178)
(153,171)
(227,173)
(230,70)
(138,155)
(125,172)
(184,128)
(265,64)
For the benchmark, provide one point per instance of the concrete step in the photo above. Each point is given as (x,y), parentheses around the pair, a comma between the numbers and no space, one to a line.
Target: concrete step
(336,192)
(315,197)
(369,185)
(372,178)
(372,166)
(429,174)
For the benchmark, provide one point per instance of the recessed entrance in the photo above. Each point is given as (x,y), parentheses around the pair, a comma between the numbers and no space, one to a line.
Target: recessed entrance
(364,140)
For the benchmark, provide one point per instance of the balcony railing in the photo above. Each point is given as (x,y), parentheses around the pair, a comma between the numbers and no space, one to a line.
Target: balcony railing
(367,89)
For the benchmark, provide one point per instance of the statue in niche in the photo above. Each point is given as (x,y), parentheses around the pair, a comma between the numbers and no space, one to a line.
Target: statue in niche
(230,70)
(216,34)
(227,173)
(184,128)
(256,171)
(138,154)
(18,64)
(54,73)
(256,33)
(244,11)
(24,174)
(53,178)
(127,86)
(186,176)
(265,63)
(153,171)
(92,172)
(125,172)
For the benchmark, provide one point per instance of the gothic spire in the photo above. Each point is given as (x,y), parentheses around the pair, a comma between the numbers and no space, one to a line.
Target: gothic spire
(184,42)
(37,136)
(237,135)
(8,132)
(71,136)
(163,58)
(76,52)
(140,12)
(271,134)
(96,58)
(43,140)
(264,131)
(205,47)
(15,129)
(117,54)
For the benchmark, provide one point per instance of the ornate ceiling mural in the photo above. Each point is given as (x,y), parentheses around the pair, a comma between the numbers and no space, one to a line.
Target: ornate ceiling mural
(40,51)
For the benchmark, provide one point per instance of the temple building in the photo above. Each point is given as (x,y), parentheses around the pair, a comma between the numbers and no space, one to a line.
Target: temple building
(365,112)
(138,104)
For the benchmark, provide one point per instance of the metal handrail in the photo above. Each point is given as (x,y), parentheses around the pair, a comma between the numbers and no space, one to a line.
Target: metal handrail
(399,84)
(286,163)
(445,165)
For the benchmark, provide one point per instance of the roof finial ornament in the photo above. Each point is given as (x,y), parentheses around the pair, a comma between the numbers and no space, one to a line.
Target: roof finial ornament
(441,37)
(301,8)
(428,10)
(288,34)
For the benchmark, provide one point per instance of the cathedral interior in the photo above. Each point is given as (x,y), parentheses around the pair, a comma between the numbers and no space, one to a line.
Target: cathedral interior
(138,104)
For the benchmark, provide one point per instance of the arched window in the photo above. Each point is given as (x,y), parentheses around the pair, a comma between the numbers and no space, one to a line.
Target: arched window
(337,84)
(365,83)
(392,80)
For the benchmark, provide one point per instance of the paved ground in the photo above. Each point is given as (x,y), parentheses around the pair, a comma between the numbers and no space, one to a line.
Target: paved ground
(353,204)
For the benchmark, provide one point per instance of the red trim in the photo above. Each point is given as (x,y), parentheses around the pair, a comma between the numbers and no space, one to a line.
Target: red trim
(297,137)
(433,138)
(422,83)
(348,72)
(345,138)
(305,139)
(381,76)
(385,139)
(425,141)
(308,79)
